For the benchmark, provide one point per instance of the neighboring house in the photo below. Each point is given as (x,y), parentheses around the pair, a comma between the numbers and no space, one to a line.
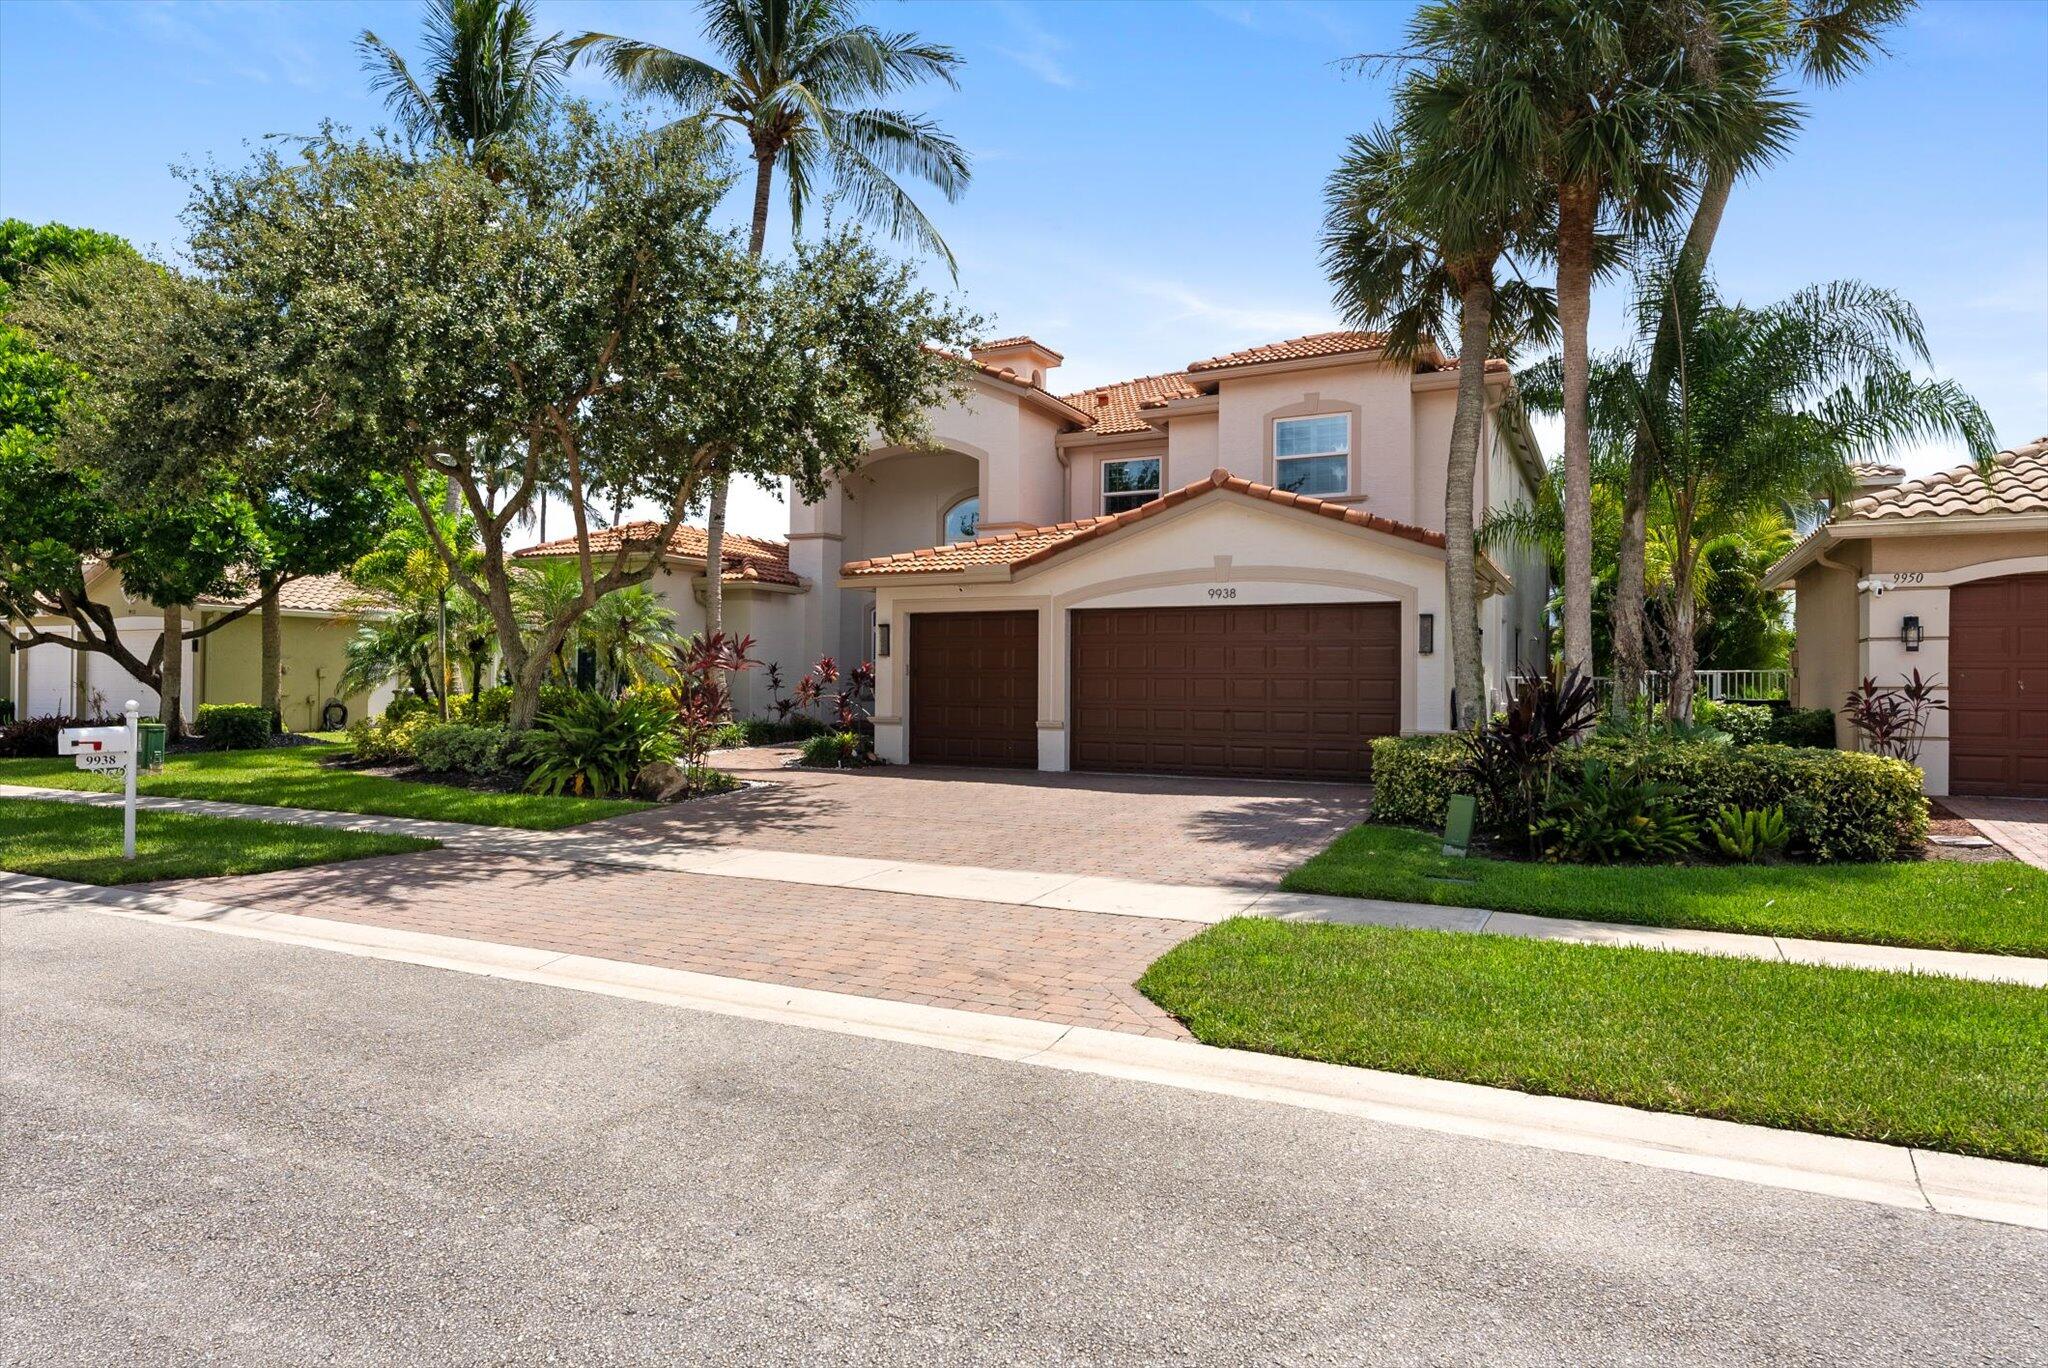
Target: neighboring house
(222,667)
(761,595)
(1236,568)
(1947,575)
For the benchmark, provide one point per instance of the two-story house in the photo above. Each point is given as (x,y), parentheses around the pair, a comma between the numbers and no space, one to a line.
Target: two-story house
(1235,568)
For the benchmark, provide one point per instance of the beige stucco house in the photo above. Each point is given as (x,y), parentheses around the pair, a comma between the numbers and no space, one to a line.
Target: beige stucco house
(1233,568)
(319,615)
(1947,575)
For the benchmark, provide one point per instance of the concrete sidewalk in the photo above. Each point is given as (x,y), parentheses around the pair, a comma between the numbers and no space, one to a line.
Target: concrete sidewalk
(597,845)
(1857,1170)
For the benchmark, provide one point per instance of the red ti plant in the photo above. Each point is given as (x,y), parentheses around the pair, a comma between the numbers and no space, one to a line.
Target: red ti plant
(851,703)
(703,667)
(1893,720)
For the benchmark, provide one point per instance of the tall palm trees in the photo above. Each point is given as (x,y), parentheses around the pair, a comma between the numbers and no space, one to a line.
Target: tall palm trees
(801,87)
(488,72)
(1419,222)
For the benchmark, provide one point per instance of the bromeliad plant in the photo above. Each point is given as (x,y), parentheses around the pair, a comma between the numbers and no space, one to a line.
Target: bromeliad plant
(1511,754)
(592,745)
(1606,813)
(1751,835)
(1893,720)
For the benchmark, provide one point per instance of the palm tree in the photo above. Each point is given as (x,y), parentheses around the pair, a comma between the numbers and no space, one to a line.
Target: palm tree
(1417,227)
(541,591)
(1763,406)
(406,568)
(632,636)
(800,87)
(1826,41)
(488,72)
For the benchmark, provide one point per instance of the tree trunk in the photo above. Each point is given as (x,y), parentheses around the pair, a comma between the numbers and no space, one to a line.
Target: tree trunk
(1684,649)
(1577,202)
(172,693)
(1631,626)
(271,665)
(441,646)
(1475,331)
(714,522)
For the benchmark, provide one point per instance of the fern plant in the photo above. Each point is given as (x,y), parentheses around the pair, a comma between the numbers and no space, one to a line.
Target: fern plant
(1750,835)
(592,745)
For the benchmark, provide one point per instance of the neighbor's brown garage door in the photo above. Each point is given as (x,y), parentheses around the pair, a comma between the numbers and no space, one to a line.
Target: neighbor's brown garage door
(974,689)
(1998,687)
(1294,691)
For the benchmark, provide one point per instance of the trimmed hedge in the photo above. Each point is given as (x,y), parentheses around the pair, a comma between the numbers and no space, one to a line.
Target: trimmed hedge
(1841,805)
(236,726)
(392,738)
(1814,727)
(765,731)
(1747,724)
(36,737)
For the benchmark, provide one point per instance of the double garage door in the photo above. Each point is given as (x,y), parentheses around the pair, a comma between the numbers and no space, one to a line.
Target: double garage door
(1286,691)
(1998,687)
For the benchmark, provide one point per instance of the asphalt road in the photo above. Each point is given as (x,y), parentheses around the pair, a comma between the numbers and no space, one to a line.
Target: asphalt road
(222,1149)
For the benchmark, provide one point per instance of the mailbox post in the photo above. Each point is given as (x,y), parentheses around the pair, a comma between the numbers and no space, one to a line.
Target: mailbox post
(102,750)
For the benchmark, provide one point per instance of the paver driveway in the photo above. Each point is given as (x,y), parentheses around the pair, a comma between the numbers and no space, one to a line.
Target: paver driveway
(1045,963)
(1159,830)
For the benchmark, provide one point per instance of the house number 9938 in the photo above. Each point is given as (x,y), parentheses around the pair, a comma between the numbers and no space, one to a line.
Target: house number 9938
(1223,593)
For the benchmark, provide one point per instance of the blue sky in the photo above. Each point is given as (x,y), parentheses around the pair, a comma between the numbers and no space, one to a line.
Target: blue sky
(1148,176)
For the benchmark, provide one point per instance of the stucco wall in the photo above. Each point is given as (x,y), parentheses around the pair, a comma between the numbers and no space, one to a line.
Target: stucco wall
(1383,438)
(1827,621)
(1190,448)
(314,656)
(1214,550)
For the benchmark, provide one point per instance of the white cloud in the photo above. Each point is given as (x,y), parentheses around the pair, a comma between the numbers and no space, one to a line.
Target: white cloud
(1038,50)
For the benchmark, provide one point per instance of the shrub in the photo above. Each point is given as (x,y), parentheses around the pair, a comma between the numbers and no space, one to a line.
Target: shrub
(1893,721)
(236,726)
(764,731)
(1814,727)
(1751,835)
(1746,724)
(37,736)
(837,750)
(1838,805)
(390,739)
(490,708)
(593,745)
(403,706)
(483,752)
(1511,755)
(1606,813)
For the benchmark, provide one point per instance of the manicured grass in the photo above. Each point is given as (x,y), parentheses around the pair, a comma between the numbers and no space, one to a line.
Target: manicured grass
(294,776)
(1997,907)
(1909,1060)
(83,844)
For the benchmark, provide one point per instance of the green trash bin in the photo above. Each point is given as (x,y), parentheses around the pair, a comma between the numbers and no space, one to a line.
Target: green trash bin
(151,738)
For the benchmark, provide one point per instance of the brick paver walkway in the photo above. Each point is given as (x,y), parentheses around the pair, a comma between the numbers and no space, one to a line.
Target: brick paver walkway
(1158,830)
(2018,824)
(1050,965)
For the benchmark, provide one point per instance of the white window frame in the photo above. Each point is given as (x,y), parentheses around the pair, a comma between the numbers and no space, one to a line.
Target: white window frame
(1344,451)
(946,518)
(1106,493)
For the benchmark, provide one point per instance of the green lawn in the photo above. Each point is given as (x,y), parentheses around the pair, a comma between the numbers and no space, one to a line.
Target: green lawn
(1941,1063)
(294,776)
(1998,907)
(83,844)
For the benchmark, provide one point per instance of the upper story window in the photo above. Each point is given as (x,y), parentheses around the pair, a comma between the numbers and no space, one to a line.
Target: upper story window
(963,519)
(1127,484)
(1313,455)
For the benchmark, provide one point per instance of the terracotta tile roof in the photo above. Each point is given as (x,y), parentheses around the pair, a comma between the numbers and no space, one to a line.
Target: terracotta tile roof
(1032,545)
(2017,485)
(747,559)
(1495,365)
(1296,349)
(1020,340)
(1873,470)
(313,594)
(1115,408)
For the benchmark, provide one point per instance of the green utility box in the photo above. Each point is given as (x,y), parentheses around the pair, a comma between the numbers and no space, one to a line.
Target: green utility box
(151,737)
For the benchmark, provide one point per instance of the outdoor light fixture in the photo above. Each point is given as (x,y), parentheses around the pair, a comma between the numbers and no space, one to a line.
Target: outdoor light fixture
(1910,632)
(1425,634)
(881,641)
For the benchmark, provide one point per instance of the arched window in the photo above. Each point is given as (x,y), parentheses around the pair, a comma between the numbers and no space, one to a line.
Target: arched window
(962,519)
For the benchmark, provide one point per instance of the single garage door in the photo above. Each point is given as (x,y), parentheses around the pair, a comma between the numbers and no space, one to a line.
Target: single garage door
(1998,687)
(1293,690)
(974,689)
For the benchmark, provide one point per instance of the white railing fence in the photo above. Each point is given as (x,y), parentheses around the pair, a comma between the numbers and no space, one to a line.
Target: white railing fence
(1723,686)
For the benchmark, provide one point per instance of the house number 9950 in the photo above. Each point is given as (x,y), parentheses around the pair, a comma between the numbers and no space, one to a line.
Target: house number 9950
(1223,593)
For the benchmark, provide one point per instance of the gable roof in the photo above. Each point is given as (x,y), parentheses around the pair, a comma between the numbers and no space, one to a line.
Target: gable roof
(1115,407)
(312,594)
(1295,349)
(1962,499)
(746,559)
(1029,546)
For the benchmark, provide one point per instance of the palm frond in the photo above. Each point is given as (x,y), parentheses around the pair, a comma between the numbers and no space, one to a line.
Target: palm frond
(389,77)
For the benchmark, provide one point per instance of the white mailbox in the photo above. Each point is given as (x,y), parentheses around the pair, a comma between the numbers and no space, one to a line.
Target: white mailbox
(92,741)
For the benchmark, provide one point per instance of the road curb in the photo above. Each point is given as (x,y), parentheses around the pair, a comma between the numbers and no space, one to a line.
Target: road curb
(1859,1170)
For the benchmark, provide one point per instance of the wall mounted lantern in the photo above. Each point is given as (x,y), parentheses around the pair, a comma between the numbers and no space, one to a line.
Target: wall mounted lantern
(1910,632)
(1425,634)
(881,641)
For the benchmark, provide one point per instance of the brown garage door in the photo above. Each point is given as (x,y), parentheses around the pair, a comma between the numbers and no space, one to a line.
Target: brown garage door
(1998,687)
(974,689)
(1295,690)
